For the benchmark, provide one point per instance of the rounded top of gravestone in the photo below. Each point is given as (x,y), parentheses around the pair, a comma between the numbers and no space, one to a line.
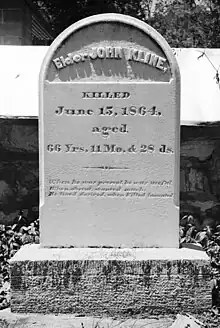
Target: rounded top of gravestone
(134,51)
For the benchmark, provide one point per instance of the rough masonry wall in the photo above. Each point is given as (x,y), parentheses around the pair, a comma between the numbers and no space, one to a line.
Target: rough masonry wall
(111,288)
(19,170)
(200,173)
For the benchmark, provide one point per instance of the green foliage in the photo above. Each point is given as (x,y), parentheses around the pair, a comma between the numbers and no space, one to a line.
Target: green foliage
(208,238)
(183,23)
(64,13)
(11,239)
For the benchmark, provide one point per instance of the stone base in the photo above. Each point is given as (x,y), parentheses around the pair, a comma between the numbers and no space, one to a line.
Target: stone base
(109,282)
(39,320)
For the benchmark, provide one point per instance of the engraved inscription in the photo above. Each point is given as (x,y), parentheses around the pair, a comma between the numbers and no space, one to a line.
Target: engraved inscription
(111,118)
(109,149)
(106,131)
(110,188)
(109,111)
(107,52)
(71,111)
(106,95)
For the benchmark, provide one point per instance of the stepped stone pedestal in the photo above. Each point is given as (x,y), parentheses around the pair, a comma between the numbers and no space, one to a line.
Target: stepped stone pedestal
(110,282)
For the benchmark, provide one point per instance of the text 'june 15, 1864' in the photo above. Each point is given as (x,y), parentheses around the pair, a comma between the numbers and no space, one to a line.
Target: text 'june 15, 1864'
(105,131)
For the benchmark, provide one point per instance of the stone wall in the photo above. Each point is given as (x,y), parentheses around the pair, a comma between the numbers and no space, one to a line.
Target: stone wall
(200,172)
(19,170)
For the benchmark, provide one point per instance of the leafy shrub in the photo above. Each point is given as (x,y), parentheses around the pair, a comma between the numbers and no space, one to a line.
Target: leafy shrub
(11,239)
(208,237)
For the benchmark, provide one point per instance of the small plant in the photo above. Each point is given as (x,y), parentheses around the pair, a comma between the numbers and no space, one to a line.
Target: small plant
(208,237)
(11,239)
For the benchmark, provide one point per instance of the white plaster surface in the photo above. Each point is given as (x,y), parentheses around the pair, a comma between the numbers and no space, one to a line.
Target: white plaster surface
(199,91)
(36,253)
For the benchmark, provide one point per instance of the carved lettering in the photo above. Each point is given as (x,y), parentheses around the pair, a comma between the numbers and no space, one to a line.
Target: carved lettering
(105,130)
(109,188)
(106,95)
(106,148)
(153,60)
(71,111)
(132,54)
(118,52)
(146,57)
(160,63)
(101,52)
(108,52)
(140,56)
(58,63)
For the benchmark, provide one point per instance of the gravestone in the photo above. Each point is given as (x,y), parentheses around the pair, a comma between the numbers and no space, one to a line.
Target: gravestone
(109,180)
(109,137)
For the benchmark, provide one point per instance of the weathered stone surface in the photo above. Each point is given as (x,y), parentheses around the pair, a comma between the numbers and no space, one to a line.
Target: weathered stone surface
(109,145)
(18,189)
(199,174)
(19,135)
(8,319)
(19,169)
(110,282)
